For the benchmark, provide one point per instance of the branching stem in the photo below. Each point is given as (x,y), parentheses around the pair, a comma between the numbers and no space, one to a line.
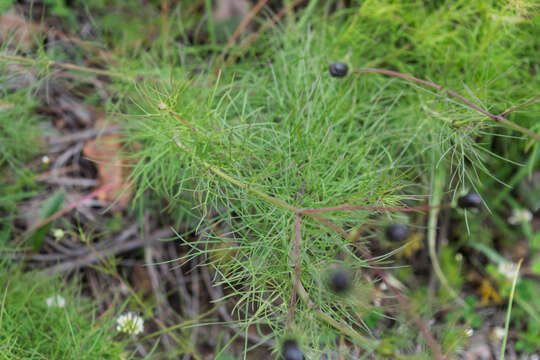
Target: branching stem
(297,260)
(498,118)
(298,288)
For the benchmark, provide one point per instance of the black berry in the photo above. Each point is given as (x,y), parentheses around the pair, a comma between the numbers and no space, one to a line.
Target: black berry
(340,281)
(469,201)
(290,351)
(338,69)
(397,232)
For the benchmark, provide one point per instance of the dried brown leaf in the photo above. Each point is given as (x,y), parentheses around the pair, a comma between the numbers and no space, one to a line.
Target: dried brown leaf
(141,279)
(106,153)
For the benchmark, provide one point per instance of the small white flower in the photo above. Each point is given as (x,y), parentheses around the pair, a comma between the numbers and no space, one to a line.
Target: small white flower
(162,106)
(45,160)
(130,323)
(520,216)
(508,269)
(469,332)
(498,333)
(58,234)
(56,301)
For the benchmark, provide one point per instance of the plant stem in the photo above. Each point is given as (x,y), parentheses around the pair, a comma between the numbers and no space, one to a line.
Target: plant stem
(164,26)
(403,301)
(181,325)
(245,22)
(296,279)
(509,311)
(437,186)
(210,26)
(238,31)
(373,208)
(454,94)
(216,170)
(369,343)
(520,106)
(435,347)
(267,25)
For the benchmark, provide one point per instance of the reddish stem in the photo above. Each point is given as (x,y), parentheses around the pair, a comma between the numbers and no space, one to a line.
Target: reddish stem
(297,241)
(520,106)
(454,94)
(246,43)
(374,208)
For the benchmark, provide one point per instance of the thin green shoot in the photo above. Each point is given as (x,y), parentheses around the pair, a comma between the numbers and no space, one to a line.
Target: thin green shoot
(509,310)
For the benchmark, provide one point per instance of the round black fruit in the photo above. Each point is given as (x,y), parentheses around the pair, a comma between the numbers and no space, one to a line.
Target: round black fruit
(340,281)
(397,232)
(338,69)
(290,351)
(469,201)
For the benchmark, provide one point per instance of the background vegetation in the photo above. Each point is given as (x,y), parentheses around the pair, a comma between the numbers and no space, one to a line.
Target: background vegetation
(183,147)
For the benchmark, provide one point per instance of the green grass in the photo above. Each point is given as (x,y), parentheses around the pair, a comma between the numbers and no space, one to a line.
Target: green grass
(19,140)
(274,132)
(29,329)
(509,311)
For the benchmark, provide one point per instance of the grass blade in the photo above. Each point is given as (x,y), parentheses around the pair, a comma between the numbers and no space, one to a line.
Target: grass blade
(508,312)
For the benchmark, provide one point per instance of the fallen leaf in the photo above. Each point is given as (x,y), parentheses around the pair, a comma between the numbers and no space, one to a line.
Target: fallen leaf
(106,153)
(141,279)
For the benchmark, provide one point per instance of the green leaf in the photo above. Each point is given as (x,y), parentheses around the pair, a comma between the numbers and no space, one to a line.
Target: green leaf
(51,206)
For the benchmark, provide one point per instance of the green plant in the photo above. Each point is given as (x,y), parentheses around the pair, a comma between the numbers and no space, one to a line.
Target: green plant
(52,205)
(19,140)
(60,9)
(286,136)
(303,167)
(44,317)
(5,5)
(508,312)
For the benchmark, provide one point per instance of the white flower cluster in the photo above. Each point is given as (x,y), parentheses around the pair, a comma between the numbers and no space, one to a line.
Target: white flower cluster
(130,323)
(520,216)
(498,333)
(507,269)
(58,234)
(56,301)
